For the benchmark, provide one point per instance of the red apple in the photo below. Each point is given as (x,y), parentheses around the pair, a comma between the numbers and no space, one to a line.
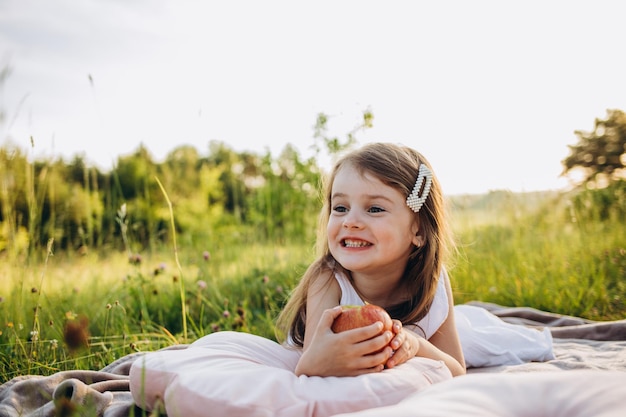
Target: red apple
(352,317)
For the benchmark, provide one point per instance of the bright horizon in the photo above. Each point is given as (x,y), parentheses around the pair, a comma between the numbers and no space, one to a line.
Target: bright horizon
(490,92)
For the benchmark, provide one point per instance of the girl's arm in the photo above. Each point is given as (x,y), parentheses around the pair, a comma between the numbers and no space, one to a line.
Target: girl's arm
(349,353)
(444,345)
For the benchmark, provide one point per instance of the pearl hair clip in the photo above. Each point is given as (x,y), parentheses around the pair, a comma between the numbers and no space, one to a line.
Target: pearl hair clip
(415,201)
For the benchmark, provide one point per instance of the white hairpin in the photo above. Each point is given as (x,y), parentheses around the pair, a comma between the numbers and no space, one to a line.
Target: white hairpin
(415,201)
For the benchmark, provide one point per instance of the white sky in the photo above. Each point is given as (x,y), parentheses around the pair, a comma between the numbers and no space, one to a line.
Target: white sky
(490,91)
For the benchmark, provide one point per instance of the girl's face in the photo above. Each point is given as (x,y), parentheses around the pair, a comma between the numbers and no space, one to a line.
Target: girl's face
(370,229)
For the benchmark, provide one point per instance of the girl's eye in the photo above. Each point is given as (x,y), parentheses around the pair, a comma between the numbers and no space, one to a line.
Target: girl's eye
(375,209)
(340,209)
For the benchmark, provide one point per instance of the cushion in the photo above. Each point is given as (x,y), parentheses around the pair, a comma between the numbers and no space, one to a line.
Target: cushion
(578,393)
(240,374)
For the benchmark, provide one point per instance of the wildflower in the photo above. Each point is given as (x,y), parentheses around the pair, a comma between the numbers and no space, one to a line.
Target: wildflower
(34,336)
(241,312)
(33,290)
(266,279)
(10,325)
(279,289)
(54,344)
(226,314)
(76,334)
(135,259)
(159,269)
(108,306)
(202,285)
(215,328)
(237,323)
(206,255)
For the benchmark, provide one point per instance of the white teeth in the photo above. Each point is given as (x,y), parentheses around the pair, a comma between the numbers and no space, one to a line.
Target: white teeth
(354,243)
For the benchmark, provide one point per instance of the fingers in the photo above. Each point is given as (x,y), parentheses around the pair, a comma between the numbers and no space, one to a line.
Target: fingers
(357,351)
(396,326)
(374,362)
(363,333)
(397,341)
(404,347)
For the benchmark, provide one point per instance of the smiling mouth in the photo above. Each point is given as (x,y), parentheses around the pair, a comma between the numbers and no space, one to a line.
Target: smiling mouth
(349,243)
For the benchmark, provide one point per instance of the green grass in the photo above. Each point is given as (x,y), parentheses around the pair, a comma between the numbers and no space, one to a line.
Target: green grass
(537,256)
(133,306)
(513,250)
(570,271)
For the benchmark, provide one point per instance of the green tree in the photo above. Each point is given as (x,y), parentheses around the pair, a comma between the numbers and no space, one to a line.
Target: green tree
(600,155)
(135,175)
(333,145)
(233,166)
(193,186)
(13,203)
(283,199)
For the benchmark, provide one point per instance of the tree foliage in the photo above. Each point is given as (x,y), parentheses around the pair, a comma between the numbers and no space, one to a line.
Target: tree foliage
(218,196)
(600,155)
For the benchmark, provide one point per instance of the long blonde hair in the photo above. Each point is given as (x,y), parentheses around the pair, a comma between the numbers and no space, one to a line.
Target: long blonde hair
(396,166)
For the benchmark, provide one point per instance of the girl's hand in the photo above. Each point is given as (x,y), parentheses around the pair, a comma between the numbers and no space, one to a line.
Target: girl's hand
(405,345)
(350,353)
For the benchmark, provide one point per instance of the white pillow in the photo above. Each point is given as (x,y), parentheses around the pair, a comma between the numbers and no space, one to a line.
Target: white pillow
(240,374)
(576,393)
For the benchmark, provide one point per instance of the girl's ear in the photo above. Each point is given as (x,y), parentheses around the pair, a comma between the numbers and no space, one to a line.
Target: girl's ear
(418,240)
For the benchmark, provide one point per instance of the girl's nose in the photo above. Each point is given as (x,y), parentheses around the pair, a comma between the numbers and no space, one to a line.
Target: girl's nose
(352,220)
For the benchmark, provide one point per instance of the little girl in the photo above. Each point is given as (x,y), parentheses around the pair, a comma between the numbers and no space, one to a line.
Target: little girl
(383,239)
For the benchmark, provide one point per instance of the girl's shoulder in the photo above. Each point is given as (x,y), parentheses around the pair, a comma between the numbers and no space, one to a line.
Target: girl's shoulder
(323,279)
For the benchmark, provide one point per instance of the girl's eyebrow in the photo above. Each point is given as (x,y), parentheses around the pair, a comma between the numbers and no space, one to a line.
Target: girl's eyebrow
(368,196)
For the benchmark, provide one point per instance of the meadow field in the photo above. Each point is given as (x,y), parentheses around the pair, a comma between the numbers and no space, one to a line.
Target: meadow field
(71,310)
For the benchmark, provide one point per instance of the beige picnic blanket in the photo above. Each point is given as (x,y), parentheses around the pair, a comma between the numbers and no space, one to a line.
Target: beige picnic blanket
(578,344)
